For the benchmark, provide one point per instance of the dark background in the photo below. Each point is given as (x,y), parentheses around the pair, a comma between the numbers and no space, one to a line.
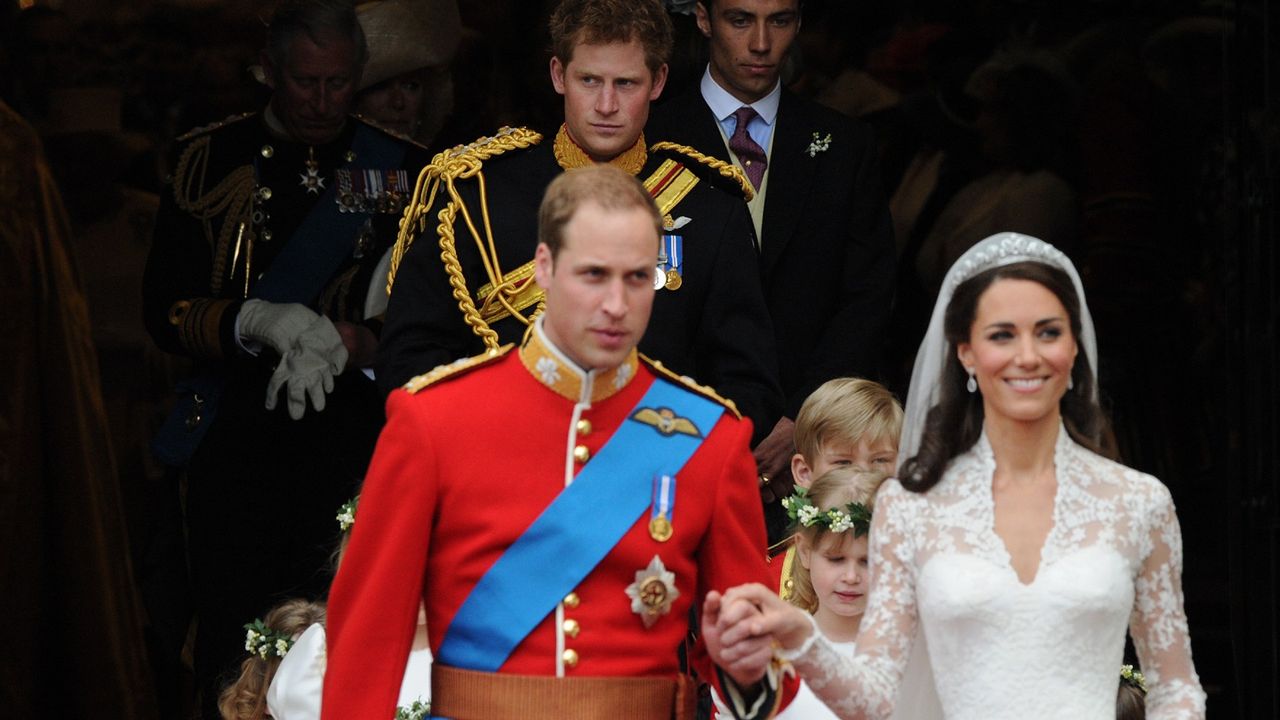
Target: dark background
(1164,126)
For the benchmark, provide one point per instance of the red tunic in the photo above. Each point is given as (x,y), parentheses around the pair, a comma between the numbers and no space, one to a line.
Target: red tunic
(465,466)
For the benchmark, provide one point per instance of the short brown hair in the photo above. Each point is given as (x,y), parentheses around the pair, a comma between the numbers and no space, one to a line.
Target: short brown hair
(844,410)
(604,185)
(600,22)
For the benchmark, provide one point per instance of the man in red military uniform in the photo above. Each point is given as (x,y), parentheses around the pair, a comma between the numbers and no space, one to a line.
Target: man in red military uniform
(559,508)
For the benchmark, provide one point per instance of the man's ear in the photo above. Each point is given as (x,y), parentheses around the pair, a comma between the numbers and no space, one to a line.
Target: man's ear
(268,69)
(659,82)
(557,74)
(800,471)
(702,14)
(543,266)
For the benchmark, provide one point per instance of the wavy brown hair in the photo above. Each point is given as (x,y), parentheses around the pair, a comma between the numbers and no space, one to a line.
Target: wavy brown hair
(602,22)
(955,423)
(246,697)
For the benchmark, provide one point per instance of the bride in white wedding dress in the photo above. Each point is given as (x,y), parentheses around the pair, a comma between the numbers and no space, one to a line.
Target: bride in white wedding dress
(1011,543)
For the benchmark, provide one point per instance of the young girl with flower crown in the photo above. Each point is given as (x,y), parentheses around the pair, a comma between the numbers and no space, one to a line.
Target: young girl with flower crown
(283,677)
(830,579)
(267,641)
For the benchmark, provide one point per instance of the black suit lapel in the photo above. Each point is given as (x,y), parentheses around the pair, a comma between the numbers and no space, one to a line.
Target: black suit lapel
(791,174)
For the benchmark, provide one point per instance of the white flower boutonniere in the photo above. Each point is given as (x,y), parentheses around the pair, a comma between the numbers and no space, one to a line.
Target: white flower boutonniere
(819,144)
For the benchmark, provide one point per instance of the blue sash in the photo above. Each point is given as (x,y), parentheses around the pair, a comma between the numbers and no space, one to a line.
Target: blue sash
(326,236)
(574,533)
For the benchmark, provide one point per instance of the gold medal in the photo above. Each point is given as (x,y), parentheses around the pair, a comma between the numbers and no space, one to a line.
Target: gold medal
(659,278)
(660,528)
(674,281)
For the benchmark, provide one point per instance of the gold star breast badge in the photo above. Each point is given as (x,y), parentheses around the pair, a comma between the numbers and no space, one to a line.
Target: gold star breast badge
(653,592)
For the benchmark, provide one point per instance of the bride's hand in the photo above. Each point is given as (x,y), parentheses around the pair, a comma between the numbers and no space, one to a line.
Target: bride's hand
(754,610)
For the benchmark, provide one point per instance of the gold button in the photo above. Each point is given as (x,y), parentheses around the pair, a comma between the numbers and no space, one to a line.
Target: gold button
(571,628)
(266,235)
(748,163)
(584,427)
(350,156)
(570,658)
(571,600)
(581,454)
(265,193)
(268,151)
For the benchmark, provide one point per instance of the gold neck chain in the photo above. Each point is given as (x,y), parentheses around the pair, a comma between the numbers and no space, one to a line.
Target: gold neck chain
(569,155)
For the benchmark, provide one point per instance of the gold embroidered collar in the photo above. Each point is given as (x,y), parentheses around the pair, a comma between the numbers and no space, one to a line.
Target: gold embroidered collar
(570,155)
(549,366)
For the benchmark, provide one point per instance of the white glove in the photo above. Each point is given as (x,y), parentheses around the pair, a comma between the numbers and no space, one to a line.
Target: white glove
(276,325)
(308,368)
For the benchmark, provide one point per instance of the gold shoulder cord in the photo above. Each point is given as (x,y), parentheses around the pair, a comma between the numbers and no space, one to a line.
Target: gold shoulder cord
(728,170)
(462,162)
(233,195)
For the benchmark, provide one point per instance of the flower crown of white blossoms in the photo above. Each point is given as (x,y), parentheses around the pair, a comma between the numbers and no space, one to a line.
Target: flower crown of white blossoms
(263,641)
(853,516)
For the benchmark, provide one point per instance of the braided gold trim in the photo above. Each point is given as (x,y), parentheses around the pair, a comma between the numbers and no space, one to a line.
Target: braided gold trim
(728,170)
(445,169)
(232,196)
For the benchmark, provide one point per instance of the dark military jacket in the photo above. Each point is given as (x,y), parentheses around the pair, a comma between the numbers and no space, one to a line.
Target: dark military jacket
(238,195)
(714,327)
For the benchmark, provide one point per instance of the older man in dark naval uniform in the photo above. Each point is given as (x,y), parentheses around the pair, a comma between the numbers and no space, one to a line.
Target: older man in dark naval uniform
(264,250)
(709,317)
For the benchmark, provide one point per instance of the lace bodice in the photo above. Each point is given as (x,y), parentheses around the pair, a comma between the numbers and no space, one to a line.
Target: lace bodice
(999,648)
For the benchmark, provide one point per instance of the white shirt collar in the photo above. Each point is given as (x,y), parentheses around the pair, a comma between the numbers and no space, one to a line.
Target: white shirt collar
(723,104)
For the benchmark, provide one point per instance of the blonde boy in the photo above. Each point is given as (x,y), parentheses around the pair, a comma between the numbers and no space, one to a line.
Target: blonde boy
(845,422)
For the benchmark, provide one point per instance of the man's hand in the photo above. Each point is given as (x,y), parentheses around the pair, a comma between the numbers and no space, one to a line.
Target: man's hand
(276,325)
(748,657)
(752,611)
(773,461)
(308,368)
(360,342)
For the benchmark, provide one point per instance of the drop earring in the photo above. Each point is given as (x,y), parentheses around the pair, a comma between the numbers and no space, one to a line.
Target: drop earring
(972,385)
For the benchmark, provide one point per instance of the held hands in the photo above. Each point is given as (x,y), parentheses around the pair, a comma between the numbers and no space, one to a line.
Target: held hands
(743,627)
(311,351)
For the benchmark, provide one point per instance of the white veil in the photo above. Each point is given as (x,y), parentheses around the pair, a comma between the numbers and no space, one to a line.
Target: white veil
(917,696)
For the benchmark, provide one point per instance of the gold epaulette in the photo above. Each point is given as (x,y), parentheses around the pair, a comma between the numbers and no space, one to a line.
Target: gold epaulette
(455,368)
(448,165)
(703,390)
(213,126)
(726,169)
(481,149)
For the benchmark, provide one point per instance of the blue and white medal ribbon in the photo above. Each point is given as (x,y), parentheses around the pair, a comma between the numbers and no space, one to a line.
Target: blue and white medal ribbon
(664,502)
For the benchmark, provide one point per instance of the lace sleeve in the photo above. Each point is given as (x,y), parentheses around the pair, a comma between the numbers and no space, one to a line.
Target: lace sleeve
(866,685)
(1159,623)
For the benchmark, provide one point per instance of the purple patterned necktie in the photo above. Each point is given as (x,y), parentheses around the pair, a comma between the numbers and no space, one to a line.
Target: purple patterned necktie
(749,153)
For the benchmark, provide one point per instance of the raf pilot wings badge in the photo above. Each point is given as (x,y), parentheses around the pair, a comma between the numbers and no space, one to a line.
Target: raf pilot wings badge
(665,421)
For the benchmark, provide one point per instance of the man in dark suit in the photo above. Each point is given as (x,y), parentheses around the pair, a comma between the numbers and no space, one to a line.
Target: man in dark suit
(709,319)
(826,243)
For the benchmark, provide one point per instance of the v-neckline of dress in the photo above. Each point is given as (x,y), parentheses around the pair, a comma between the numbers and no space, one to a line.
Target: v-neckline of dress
(987,457)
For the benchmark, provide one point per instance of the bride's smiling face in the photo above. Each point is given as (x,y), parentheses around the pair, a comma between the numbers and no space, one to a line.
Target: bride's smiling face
(1020,349)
